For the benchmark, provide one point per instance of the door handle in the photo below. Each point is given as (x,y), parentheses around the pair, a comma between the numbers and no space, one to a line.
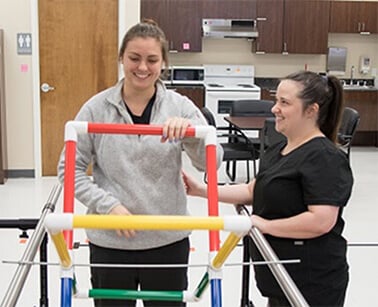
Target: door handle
(45,87)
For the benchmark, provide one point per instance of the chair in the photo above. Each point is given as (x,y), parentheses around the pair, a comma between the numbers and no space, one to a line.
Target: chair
(248,107)
(349,123)
(252,107)
(269,135)
(237,146)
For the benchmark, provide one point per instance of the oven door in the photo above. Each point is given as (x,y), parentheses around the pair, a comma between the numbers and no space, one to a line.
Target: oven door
(220,102)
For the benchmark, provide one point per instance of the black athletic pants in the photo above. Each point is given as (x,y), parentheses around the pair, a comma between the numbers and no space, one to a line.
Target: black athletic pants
(174,279)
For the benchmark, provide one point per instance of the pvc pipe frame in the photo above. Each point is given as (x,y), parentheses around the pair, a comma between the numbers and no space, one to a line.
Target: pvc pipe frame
(73,128)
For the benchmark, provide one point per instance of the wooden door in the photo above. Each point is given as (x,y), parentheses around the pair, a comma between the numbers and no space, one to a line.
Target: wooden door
(3,141)
(78,58)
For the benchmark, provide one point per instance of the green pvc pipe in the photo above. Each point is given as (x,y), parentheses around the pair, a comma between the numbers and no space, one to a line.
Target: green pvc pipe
(202,285)
(176,296)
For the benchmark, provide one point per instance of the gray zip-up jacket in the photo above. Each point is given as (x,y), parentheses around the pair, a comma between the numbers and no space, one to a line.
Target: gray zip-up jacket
(138,172)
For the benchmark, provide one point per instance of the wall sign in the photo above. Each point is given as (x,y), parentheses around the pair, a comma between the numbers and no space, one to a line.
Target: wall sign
(24,43)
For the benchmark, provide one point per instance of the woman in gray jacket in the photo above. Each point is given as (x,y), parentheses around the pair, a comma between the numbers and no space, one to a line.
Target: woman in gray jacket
(138,174)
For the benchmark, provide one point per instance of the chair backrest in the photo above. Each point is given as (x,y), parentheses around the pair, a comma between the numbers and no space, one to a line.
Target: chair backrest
(247,107)
(347,129)
(209,116)
(269,135)
(348,126)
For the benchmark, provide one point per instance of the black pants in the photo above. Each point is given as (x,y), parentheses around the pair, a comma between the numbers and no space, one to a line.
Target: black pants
(166,279)
(327,298)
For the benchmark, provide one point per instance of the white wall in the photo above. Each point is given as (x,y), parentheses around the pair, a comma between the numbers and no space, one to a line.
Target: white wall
(15,18)
(18,16)
(234,51)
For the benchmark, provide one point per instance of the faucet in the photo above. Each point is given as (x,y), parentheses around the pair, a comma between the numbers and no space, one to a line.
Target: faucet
(351,74)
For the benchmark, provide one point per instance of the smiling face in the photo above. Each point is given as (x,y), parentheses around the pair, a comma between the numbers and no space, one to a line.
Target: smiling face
(142,62)
(291,118)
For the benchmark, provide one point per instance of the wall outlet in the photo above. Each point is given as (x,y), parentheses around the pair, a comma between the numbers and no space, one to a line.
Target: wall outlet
(374,72)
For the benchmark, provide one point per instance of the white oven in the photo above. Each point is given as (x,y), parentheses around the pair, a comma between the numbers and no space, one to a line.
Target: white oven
(225,84)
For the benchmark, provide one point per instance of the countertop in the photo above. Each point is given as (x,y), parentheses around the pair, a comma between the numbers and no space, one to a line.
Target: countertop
(272,83)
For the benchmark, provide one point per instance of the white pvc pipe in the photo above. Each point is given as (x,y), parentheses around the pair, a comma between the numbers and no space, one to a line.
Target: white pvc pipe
(55,223)
(73,128)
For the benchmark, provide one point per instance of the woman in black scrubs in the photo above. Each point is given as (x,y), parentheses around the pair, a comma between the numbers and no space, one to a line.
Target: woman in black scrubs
(300,191)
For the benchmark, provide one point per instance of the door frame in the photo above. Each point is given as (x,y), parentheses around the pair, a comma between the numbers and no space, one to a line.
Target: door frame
(124,22)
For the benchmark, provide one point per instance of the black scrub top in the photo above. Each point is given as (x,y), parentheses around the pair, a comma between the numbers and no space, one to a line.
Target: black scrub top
(316,173)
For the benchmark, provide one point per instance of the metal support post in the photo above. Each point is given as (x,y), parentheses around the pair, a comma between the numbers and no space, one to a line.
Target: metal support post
(22,271)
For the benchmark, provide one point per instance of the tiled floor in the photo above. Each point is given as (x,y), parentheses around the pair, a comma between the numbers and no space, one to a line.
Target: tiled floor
(25,198)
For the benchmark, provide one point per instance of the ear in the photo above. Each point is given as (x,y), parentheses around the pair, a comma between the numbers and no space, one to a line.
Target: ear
(313,110)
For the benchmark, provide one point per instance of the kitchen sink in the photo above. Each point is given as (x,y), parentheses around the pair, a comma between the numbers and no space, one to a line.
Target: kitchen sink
(358,87)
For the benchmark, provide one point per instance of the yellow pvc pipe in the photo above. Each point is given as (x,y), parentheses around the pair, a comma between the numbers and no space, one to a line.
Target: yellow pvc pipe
(147,222)
(61,248)
(226,249)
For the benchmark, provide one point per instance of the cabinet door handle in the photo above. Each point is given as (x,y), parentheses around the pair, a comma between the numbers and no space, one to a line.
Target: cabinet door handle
(359,27)
(285,52)
(258,51)
(272,93)
(261,19)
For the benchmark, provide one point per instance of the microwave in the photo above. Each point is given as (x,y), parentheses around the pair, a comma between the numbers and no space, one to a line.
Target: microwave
(166,75)
(187,75)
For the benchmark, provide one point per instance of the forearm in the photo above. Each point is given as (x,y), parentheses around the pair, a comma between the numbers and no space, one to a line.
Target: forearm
(232,194)
(306,225)
(235,194)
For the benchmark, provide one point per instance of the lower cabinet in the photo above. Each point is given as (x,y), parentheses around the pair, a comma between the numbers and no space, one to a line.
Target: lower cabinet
(268,94)
(366,103)
(194,93)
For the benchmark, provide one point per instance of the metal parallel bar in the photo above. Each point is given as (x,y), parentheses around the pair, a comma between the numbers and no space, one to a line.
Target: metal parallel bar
(44,297)
(286,283)
(15,287)
(23,224)
(245,301)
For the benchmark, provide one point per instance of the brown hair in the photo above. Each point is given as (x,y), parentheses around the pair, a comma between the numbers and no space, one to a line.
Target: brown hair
(145,29)
(327,92)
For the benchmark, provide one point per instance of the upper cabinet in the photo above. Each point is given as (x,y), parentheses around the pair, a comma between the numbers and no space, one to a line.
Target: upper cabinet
(306,25)
(292,26)
(270,15)
(238,9)
(180,20)
(354,17)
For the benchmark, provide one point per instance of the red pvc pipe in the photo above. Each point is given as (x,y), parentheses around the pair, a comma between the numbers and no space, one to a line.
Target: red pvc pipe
(212,192)
(69,186)
(131,129)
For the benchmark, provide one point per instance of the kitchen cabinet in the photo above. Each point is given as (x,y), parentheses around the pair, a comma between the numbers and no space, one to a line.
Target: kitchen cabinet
(270,15)
(237,9)
(366,103)
(3,149)
(181,22)
(196,93)
(353,17)
(292,26)
(268,94)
